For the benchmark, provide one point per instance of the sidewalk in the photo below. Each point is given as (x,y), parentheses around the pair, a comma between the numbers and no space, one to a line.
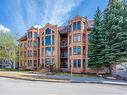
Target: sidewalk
(99,81)
(82,79)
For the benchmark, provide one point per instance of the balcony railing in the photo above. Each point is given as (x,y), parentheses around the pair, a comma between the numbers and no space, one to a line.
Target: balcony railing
(63,44)
(64,55)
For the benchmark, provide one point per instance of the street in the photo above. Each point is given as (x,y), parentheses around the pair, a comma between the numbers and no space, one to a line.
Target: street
(21,87)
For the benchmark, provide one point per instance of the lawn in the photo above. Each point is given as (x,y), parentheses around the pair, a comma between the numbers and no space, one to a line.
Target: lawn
(53,73)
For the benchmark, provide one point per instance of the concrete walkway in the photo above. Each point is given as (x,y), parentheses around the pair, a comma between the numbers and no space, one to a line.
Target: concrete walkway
(82,79)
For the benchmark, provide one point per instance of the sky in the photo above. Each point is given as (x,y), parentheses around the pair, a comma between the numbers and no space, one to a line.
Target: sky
(18,16)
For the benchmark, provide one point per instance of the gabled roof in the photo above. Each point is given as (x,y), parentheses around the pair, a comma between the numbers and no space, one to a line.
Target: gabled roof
(48,25)
(23,38)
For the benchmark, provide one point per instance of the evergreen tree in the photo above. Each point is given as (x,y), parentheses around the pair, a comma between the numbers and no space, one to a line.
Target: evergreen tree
(94,43)
(115,27)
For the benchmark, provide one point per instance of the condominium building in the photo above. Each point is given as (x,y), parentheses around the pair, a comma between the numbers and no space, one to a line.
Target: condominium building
(66,46)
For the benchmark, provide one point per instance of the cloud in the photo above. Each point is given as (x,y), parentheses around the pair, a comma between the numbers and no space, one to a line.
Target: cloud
(37,26)
(4,29)
(27,13)
(58,12)
(52,11)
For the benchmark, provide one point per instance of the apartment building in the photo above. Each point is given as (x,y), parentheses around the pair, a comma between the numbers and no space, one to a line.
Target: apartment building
(66,46)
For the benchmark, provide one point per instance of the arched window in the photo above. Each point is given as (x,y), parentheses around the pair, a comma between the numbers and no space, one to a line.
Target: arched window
(48,31)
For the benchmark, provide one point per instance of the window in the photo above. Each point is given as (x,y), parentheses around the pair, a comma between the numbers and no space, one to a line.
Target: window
(74,63)
(24,53)
(84,63)
(70,40)
(79,63)
(29,43)
(35,43)
(42,52)
(53,61)
(74,50)
(70,28)
(29,35)
(48,51)
(35,61)
(29,62)
(42,34)
(78,25)
(30,53)
(42,41)
(74,26)
(77,37)
(48,31)
(79,50)
(53,51)
(35,53)
(70,51)
(53,41)
(35,35)
(48,40)
(42,63)
(25,45)
(47,61)
(53,32)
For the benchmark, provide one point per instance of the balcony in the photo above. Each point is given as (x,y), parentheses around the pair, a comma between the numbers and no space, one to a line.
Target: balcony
(64,55)
(63,44)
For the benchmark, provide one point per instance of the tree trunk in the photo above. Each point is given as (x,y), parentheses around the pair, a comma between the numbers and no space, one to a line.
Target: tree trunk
(97,72)
(110,70)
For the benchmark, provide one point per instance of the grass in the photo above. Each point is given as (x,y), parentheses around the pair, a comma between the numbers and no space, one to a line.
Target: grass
(16,70)
(76,75)
(54,73)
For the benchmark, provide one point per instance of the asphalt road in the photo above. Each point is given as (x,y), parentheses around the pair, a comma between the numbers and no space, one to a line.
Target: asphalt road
(22,87)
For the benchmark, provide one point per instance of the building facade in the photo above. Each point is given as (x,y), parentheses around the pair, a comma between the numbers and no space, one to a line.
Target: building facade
(66,47)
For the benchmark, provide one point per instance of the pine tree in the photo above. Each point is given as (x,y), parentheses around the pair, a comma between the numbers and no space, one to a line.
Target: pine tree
(94,43)
(115,27)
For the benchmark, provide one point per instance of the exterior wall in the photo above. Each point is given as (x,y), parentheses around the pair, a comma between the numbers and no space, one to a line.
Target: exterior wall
(82,43)
(56,46)
(41,64)
(23,60)
(22,57)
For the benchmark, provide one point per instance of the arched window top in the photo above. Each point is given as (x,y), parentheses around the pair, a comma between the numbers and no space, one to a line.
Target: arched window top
(48,31)
(43,34)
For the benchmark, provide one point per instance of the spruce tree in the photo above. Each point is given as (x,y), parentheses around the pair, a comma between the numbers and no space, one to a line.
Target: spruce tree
(115,28)
(94,43)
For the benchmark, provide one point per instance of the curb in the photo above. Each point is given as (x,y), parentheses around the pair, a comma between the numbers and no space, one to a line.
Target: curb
(46,80)
(67,81)
(93,82)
